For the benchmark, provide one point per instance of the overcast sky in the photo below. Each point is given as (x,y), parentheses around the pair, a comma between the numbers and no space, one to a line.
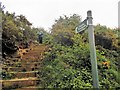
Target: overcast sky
(42,13)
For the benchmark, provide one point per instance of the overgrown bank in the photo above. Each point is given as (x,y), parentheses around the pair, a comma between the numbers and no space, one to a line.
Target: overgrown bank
(67,63)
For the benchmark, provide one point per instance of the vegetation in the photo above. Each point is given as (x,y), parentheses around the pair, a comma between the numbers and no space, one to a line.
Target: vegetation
(67,60)
(17,32)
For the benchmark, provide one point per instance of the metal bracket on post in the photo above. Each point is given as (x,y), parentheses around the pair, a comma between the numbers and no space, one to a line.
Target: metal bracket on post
(92,50)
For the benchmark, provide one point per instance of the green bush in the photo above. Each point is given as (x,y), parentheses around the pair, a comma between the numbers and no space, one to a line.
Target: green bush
(69,66)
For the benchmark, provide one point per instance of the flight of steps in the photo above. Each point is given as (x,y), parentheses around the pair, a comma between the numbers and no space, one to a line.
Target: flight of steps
(22,73)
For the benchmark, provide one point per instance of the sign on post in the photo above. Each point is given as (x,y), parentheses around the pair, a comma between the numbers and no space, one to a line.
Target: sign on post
(82,26)
(88,24)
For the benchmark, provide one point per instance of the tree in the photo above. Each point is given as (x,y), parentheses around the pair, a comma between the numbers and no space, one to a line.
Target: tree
(16,30)
(63,29)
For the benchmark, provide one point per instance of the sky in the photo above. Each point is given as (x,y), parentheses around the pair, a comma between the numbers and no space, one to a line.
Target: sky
(43,13)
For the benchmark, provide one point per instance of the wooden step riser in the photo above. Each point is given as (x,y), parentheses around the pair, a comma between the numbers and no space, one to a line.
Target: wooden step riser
(29,88)
(25,75)
(22,64)
(32,60)
(21,69)
(11,61)
(22,61)
(28,60)
(18,84)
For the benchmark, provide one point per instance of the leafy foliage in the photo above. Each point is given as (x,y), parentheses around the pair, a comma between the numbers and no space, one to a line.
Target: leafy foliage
(67,62)
(17,31)
(68,65)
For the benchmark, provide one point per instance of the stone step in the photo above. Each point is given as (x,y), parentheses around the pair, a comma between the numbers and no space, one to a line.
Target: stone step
(18,83)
